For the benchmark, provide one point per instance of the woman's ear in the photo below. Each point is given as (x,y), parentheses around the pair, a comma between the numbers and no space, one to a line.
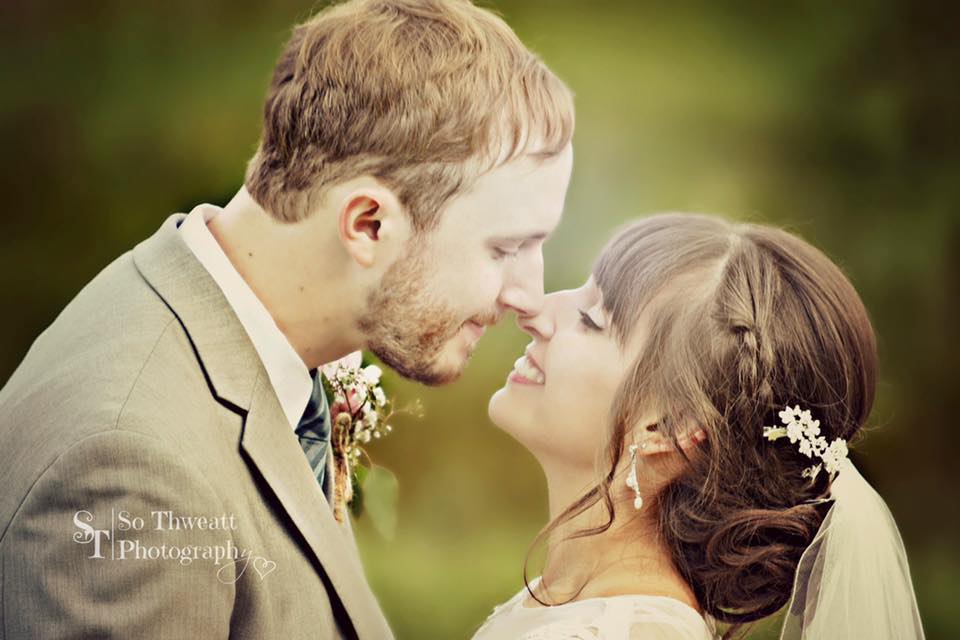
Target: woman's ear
(372,225)
(657,442)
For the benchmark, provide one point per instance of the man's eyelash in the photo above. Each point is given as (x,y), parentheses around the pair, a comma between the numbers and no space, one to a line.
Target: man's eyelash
(588,321)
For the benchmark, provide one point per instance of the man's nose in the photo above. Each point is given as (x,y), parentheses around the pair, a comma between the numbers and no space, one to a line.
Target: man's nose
(523,291)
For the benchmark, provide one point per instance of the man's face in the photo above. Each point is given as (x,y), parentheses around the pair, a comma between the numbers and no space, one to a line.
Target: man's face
(484,258)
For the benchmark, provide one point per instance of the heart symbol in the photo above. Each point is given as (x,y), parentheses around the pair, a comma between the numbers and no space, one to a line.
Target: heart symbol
(263,567)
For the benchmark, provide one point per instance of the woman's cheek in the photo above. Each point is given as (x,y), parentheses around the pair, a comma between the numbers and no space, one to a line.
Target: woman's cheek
(585,397)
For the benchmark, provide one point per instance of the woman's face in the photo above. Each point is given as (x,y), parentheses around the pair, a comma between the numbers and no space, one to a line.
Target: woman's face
(557,399)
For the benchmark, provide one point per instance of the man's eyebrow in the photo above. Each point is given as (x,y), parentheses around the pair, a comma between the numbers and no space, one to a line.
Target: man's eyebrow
(519,239)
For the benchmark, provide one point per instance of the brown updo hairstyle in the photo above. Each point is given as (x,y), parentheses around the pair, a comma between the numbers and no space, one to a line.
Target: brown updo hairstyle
(770,321)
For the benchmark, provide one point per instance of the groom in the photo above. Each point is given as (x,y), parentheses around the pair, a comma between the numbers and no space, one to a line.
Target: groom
(154,485)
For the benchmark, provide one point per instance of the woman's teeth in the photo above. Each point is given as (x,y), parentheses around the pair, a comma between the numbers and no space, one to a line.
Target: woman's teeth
(528,371)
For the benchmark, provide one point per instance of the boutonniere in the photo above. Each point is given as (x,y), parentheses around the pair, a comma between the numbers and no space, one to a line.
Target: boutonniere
(360,412)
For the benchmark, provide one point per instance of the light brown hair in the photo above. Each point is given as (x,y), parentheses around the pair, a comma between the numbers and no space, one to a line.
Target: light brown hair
(424,95)
(772,322)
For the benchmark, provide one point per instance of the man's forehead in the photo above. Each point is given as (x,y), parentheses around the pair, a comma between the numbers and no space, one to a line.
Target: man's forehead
(528,175)
(511,206)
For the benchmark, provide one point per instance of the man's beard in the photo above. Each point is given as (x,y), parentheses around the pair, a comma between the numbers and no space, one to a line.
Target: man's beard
(407,328)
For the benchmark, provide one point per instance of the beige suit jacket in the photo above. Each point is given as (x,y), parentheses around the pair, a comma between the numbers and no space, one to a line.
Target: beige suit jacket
(150,485)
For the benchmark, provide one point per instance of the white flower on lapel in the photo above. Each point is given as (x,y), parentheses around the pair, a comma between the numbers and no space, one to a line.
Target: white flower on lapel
(359,410)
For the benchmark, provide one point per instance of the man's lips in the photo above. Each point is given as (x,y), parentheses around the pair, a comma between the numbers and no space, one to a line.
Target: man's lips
(476,329)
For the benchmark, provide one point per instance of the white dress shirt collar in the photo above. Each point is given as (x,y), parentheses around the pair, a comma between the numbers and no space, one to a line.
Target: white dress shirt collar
(287,372)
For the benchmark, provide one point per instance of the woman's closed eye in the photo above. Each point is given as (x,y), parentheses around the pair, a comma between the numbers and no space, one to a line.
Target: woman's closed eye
(589,322)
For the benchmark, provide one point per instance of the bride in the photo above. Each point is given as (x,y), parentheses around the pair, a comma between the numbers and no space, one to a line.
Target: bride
(691,406)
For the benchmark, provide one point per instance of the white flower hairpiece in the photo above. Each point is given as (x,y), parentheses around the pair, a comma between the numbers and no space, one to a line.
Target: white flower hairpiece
(800,426)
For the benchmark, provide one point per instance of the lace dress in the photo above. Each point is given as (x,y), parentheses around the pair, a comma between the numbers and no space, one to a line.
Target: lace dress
(625,617)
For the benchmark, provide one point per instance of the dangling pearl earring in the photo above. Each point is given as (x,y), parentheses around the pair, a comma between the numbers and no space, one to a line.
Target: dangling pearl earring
(632,477)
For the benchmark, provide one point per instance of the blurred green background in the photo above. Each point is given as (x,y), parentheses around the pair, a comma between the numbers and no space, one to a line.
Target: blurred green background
(838,120)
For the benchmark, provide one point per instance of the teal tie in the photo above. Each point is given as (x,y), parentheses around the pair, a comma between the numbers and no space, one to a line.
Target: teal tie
(313,430)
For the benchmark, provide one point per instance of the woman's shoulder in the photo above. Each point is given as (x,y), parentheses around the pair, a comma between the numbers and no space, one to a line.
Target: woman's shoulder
(655,617)
(645,617)
(618,617)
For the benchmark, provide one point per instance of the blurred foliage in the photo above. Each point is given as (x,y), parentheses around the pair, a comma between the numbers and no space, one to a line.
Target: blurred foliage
(837,120)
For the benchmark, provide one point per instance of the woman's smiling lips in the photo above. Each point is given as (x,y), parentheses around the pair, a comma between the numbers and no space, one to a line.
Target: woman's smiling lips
(527,371)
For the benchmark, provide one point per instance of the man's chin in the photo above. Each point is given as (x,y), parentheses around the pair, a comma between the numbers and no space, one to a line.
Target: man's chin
(444,369)
(448,368)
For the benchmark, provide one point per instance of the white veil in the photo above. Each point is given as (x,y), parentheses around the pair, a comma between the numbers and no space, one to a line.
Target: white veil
(853,580)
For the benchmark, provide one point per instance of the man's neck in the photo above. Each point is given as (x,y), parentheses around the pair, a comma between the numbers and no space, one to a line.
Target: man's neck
(295,275)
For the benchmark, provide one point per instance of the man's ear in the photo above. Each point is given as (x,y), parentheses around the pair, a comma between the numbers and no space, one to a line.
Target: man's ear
(372,225)
(657,442)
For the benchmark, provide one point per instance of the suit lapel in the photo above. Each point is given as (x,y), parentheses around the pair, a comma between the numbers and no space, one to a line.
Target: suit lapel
(238,380)
(227,356)
(275,451)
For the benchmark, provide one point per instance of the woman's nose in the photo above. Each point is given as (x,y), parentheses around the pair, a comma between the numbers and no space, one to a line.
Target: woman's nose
(542,324)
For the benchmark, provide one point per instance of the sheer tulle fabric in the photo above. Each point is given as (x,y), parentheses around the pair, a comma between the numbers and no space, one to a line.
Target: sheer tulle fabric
(627,617)
(853,580)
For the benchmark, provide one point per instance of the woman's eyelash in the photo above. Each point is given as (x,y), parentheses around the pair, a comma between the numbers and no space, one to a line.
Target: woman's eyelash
(588,321)
(503,253)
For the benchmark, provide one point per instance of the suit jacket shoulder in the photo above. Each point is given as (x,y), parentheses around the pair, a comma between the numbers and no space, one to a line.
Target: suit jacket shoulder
(146,399)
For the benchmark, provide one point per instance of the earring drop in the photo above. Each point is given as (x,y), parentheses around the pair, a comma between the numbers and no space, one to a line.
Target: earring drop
(632,477)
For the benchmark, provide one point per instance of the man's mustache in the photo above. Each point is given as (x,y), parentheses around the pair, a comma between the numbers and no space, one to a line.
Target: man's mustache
(487,319)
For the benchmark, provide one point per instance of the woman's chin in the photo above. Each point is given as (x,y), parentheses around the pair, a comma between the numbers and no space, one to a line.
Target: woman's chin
(506,412)
(496,408)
